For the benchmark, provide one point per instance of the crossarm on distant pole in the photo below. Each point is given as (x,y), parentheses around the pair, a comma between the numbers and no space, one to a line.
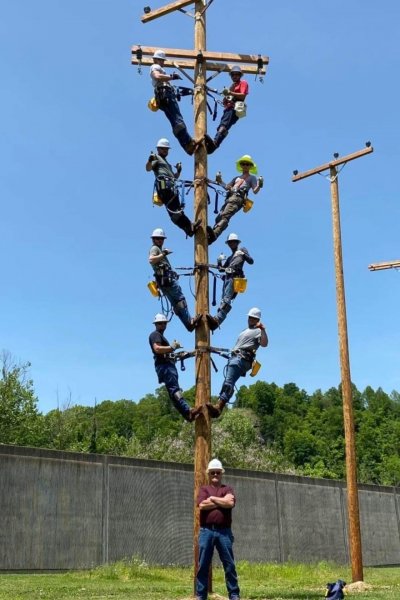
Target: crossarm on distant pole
(333,163)
(392,264)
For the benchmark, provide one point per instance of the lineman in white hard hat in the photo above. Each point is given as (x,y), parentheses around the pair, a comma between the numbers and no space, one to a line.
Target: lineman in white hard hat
(165,186)
(166,100)
(165,367)
(167,280)
(237,191)
(242,357)
(232,267)
(216,501)
(237,92)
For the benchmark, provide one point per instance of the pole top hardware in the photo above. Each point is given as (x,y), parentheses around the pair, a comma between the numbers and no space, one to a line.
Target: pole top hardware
(333,163)
(255,64)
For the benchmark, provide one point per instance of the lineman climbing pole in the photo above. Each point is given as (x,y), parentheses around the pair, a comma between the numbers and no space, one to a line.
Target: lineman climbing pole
(351,463)
(200,61)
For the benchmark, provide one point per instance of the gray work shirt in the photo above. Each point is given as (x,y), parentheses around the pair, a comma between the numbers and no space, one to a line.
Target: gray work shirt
(163,263)
(244,185)
(249,339)
(162,168)
(155,81)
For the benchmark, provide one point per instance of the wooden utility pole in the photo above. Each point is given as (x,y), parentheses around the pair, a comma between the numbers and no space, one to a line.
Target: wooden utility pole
(351,462)
(392,264)
(200,61)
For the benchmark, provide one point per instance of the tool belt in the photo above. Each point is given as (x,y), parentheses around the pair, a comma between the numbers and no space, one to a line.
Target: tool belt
(165,277)
(163,92)
(248,355)
(230,273)
(241,193)
(165,183)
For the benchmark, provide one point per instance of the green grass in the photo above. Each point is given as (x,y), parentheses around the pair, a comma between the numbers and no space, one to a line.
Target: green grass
(134,580)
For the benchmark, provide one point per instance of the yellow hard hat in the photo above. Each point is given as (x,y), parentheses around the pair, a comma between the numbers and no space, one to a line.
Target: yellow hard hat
(152,104)
(246,158)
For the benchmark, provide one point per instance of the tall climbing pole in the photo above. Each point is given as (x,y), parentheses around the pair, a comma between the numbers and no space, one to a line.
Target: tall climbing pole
(351,462)
(200,61)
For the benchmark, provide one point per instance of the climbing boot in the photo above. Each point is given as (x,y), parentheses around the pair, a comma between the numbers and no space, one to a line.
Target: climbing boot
(215,410)
(191,147)
(195,322)
(195,226)
(213,322)
(209,144)
(211,237)
(194,413)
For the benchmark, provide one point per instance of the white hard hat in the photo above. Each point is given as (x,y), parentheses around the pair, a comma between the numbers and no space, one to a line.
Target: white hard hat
(160,318)
(163,143)
(232,237)
(159,54)
(159,233)
(215,464)
(255,313)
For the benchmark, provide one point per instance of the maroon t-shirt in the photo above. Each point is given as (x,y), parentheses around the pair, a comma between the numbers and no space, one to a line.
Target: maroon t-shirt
(216,516)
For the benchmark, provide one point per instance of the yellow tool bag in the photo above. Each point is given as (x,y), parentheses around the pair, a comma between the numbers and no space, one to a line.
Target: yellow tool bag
(239,285)
(248,205)
(153,104)
(153,287)
(157,200)
(255,368)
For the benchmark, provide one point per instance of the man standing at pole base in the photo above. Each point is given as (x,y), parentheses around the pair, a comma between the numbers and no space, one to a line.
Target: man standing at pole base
(215,502)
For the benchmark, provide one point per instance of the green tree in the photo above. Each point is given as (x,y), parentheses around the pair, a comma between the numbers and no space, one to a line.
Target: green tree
(20,421)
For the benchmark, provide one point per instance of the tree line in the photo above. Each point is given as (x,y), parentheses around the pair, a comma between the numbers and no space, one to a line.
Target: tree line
(270,428)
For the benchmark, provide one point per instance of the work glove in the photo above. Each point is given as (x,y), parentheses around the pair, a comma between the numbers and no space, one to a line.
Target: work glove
(152,157)
(226,92)
(218,177)
(178,167)
(166,252)
(175,345)
(175,76)
(260,182)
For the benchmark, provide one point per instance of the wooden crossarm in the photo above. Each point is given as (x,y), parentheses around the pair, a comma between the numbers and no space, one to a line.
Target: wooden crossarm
(392,264)
(165,10)
(210,66)
(333,163)
(218,56)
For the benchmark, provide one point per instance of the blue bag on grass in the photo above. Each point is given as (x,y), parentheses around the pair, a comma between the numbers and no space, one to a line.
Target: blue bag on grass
(334,591)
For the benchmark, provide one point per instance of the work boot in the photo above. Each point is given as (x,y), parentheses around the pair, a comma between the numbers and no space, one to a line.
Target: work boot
(195,322)
(213,322)
(194,413)
(191,147)
(211,237)
(195,226)
(209,144)
(215,410)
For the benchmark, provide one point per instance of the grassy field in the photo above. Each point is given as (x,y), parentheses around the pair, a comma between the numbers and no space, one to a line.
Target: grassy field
(137,581)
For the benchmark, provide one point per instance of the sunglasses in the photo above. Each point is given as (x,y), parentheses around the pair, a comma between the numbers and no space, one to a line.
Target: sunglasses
(246,164)
(215,472)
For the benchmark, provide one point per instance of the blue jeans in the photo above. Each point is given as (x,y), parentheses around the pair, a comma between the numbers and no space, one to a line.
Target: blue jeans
(175,295)
(236,367)
(226,302)
(169,105)
(228,119)
(168,375)
(222,540)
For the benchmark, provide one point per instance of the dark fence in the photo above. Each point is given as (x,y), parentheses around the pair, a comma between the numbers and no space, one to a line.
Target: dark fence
(64,510)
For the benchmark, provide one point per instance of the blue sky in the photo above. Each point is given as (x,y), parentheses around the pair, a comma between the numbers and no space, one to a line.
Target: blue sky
(76,210)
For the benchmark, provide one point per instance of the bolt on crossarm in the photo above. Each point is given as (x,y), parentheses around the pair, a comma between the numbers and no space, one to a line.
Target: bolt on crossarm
(348,418)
